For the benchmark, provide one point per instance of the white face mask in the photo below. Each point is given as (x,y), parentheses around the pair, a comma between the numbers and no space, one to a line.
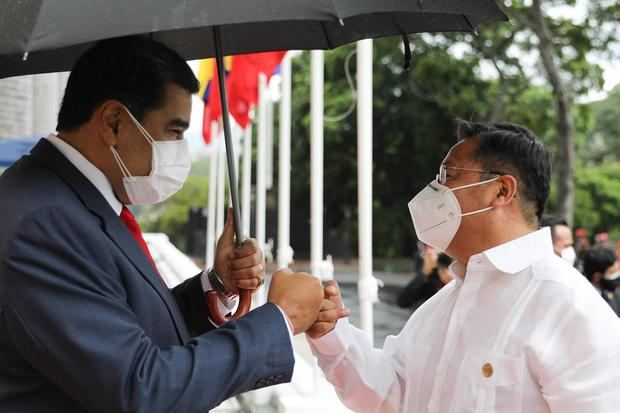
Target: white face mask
(568,254)
(170,166)
(436,213)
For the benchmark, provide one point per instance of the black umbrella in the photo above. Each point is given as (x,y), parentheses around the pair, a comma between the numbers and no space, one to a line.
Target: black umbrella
(43,36)
(39,36)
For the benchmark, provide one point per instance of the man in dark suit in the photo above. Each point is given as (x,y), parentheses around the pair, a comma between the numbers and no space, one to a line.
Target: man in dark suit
(86,323)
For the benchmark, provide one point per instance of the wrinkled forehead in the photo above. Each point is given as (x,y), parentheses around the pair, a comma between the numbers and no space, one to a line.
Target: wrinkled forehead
(460,154)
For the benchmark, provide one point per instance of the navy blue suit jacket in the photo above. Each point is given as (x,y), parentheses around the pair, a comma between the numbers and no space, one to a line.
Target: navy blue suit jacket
(87,325)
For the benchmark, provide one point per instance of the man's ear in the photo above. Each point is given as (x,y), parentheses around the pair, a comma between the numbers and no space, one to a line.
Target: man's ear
(506,191)
(107,117)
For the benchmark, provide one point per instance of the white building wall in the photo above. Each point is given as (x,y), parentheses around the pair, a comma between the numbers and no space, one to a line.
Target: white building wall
(29,104)
(16,106)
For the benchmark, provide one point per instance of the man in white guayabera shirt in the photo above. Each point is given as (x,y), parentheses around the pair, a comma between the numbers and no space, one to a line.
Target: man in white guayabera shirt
(517,330)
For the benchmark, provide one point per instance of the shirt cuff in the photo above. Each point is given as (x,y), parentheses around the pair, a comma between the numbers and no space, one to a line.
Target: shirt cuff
(289,324)
(335,342)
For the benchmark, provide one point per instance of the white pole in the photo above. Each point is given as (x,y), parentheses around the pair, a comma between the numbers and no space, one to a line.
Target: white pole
(261,397)
(316,162)
(285,256)
(261,155)
(367,284)
(220,212)
(269,137)
(246,183)
(210,247)
(237,136)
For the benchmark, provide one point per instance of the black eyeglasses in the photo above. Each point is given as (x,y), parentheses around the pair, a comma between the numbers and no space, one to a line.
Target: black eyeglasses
(441,176)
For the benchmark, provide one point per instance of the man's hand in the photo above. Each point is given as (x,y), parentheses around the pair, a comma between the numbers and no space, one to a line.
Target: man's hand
(429,262)
(242,267)
(299,295)
(332,310)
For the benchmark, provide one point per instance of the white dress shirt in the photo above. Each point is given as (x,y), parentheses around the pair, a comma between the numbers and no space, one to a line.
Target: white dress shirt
(517,330)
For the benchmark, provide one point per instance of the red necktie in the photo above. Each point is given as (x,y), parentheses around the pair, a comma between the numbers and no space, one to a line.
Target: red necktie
(133,226)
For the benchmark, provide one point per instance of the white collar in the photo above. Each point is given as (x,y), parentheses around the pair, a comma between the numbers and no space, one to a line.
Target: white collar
(509,258)
(90,171)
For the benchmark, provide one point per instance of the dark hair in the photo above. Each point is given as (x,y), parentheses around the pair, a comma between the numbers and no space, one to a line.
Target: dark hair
(515,151)
(443,260)
(597,260)
(133,70)
(552,221)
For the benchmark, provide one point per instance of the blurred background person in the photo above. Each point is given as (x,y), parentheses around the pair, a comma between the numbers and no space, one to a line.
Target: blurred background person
(602,269)
(582,246)
(430,279)
(602,239)
(561,236)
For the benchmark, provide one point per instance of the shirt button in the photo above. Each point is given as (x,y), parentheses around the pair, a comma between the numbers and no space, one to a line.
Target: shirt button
(487,370)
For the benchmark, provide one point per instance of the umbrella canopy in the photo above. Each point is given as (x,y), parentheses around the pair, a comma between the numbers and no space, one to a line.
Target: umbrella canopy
(39,36)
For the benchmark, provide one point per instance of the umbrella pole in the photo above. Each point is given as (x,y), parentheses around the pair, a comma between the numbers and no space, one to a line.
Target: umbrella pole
(245,296)
(230,157)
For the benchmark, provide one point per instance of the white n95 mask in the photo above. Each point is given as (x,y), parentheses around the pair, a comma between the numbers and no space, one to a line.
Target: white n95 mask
(170,166)
(436,213)
(568,254)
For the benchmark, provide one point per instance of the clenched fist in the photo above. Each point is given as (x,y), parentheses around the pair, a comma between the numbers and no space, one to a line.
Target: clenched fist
(299,295)
(332,310)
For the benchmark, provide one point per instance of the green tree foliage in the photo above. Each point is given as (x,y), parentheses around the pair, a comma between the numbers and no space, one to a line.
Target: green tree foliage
(412,129)
(413,122)
(598,198)
(604,142)
(171,216)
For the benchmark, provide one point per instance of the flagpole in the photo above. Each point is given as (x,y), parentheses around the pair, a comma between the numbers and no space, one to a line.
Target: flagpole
(261,157)
(367,284)
(316,162)
(246,181)
(285,251)
(269,138)
(221,185)
(210,247)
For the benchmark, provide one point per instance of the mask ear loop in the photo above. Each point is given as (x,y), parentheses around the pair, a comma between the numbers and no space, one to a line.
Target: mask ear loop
(120,163)
(476,212)
(140,127)
(146,135)
(474,184)
(469,186)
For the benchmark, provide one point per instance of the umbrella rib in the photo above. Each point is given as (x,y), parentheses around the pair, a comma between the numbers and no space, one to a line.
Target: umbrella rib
(471,26)
(329,43)
(29,40)
(407,61)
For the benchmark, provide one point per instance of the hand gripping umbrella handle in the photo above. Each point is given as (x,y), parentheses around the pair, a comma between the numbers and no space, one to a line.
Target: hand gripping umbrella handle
(245,296)
(210,301)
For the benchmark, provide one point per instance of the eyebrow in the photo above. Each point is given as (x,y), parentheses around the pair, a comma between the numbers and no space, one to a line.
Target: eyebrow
(179,122)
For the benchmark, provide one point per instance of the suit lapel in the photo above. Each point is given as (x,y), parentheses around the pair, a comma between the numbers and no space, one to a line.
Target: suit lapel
(112,225)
